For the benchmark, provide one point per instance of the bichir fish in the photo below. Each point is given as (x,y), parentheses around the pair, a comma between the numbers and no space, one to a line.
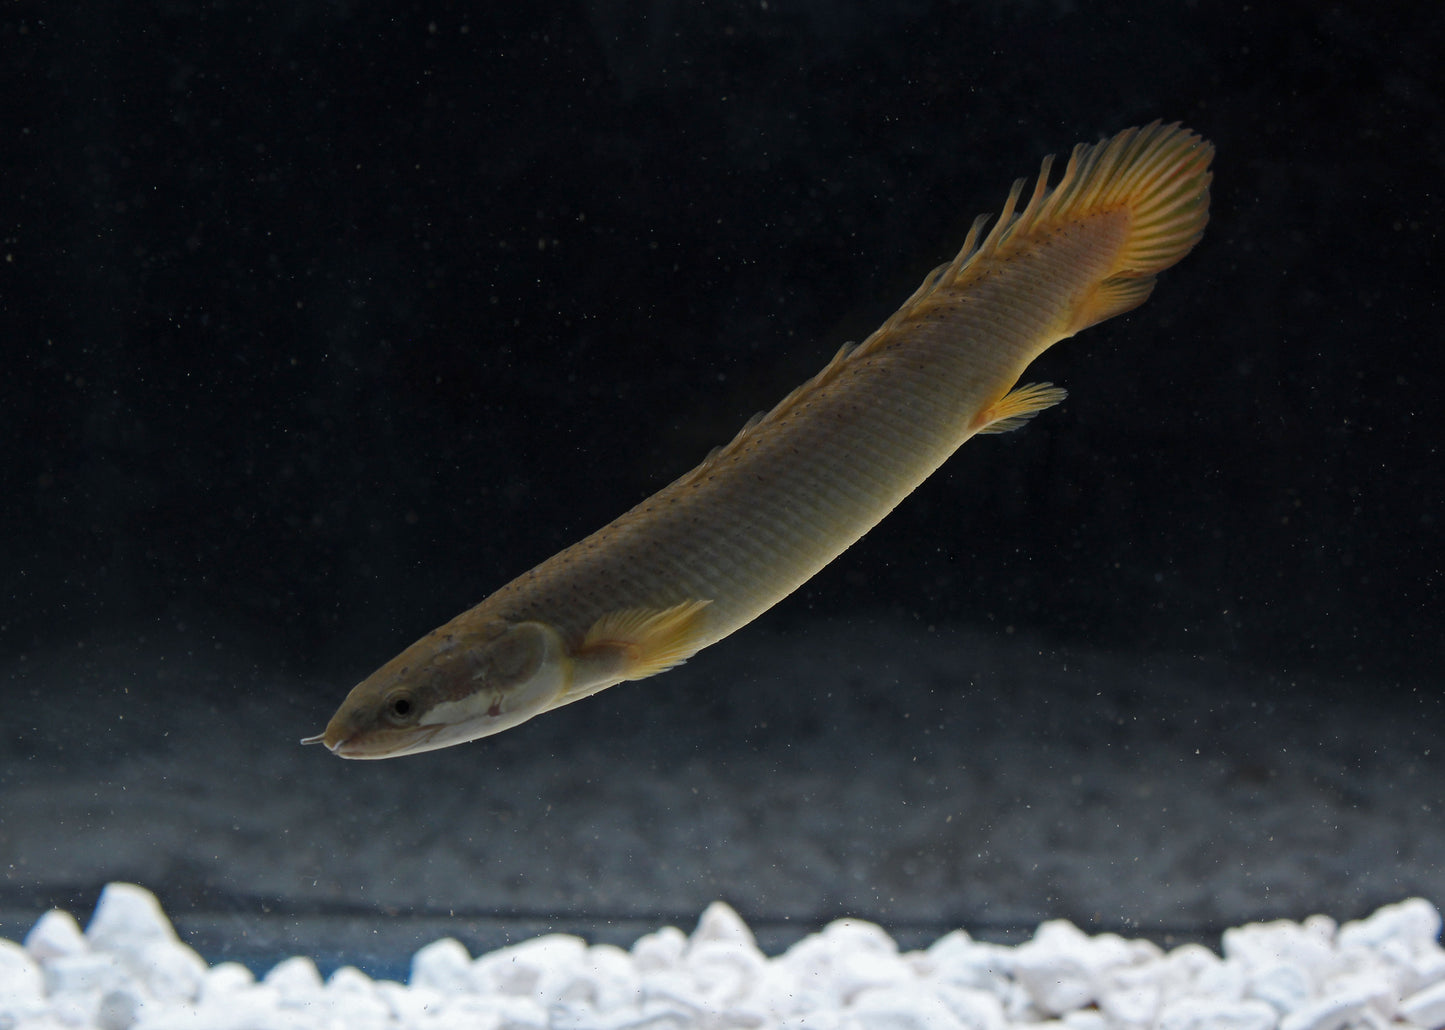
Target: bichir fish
(712,551)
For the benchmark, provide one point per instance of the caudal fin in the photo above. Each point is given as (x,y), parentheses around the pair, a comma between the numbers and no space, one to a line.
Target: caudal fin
(1158,175)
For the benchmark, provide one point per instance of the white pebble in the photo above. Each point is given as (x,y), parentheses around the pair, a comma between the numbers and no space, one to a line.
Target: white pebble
(671,987)
(170,970)
(1131,1006)
(352,1001)
(350,980)
(858,973)
(782,992)
(409,1006)
(20,975)
(1415,923)
(964,962)
(613,981)
(72,1010)
(1426,1008)
(1194,970)
(896,1008)
(1132,995)
(720,923)
(226,978)
(662,949)
(1426,967)
(1346,1003)
(592,979)
(127,918)
(22,985)
(1286,987)
(1224,981)
(859,936)
(1061,966)
(723,972)
(1260,946)
(469,1012)
(518,969)
(117,1009)
(1207,1014)
(847,957)
(85,974)
(952,948)
(821,1020)
(443,965)
(295,980)
(651,1017)
(973,1008)
(54,934)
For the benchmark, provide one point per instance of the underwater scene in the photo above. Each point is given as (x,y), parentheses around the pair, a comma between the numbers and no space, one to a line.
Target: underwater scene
(563,515)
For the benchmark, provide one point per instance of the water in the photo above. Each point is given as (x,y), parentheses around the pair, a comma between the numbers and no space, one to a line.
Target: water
(325,325)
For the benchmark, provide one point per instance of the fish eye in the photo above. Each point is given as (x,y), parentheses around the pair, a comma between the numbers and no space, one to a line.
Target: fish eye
(400,707)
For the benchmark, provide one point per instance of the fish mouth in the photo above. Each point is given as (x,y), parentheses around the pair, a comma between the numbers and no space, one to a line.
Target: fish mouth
(401,742)
(366,746)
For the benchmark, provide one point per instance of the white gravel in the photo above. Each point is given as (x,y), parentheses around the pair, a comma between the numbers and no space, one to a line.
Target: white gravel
(129,971)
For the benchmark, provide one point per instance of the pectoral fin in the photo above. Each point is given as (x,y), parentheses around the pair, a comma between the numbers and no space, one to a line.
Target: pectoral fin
(646,641)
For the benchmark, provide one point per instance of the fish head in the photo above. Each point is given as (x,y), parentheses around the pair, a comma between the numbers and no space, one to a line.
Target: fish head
(466,680)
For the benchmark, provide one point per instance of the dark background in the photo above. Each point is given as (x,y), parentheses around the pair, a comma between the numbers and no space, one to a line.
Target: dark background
(321,321)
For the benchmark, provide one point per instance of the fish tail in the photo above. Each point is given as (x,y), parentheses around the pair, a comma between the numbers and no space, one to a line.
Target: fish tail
(1128,207)
(1157,175)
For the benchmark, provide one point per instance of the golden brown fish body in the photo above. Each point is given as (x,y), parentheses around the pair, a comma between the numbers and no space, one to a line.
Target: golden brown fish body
(719,546)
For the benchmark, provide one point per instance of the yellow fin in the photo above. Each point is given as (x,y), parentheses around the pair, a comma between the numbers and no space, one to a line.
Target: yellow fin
(1016,407)
(1111,297)
(649,640)
(1157,177)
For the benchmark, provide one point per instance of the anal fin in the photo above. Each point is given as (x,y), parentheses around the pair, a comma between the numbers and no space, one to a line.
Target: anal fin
(1016,407)
(646,641)
(1111,297)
